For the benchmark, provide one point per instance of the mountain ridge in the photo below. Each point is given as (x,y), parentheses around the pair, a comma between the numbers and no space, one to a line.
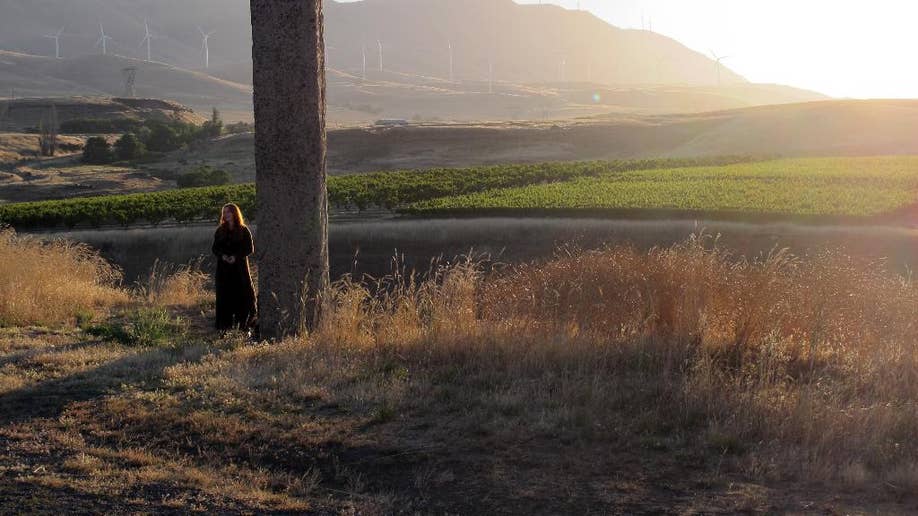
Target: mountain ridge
(524,43)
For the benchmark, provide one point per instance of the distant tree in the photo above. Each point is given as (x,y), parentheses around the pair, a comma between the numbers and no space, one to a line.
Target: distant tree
(129,147)
(163,138)
(203,176)
(213,127)
(97,151)
(100,125)
(240,127)
(47,140)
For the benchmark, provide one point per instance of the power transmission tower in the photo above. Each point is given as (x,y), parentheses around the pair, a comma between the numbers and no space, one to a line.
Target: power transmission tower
(130,80)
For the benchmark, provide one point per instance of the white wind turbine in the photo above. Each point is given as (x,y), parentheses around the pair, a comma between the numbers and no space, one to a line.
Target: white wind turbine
(450,45)
(718,62)
(490,76)
(205,47)
(57,42)
(379,44)
(148,39)
(364,69)
(103,40)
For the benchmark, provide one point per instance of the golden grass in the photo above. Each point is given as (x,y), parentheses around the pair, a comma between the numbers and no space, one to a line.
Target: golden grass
(712,367)
(51,283)
(783,367)
(171,286)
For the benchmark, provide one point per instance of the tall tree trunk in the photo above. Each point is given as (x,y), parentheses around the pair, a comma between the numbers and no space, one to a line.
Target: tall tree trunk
(288,50)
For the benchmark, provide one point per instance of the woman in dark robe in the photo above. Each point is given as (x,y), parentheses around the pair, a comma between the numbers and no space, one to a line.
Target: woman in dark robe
(233,244)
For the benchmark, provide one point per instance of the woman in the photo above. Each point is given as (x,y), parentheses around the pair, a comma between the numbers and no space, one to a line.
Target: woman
(235,293)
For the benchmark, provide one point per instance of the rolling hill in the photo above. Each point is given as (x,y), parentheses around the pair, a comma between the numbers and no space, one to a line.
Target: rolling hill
(96,75)
(828,128)
(548,62)
(525,43)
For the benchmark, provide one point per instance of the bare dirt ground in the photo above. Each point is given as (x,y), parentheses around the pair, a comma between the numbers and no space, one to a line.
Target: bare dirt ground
(66,177)
(26,177)
(95,426)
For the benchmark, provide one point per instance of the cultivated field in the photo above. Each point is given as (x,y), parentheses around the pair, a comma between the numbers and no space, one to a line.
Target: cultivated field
(681,379)
(838,190)
(854,187)
(388,190)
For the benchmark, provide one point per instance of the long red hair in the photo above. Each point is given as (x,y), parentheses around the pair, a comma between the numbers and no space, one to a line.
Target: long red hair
(237,214)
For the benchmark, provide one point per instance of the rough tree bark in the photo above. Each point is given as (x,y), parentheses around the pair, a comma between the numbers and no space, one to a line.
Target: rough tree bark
(288,50)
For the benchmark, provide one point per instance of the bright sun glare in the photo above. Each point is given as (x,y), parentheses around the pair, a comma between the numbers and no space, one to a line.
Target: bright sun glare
(840,48)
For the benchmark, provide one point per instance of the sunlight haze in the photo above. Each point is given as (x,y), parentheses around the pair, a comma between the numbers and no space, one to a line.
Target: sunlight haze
(843,49)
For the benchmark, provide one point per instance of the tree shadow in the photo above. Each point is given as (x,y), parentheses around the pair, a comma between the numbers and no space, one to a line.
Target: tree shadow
(49,398)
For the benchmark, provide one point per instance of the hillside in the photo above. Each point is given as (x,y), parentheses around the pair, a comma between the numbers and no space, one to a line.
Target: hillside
(96,75)
(354,101)
(525,43)
(829,128)
(27,113)
(548,62)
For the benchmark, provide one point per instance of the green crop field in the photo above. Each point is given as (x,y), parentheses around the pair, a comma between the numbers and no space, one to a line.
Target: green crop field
(853,187)
(383,189)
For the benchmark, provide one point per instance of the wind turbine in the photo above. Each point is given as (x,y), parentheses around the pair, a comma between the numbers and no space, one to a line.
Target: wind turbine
(204,47)
(718,61)
(57,42)
(490,76)
(148,39)
(103,40)
(379,44)
(364,50)
(561,69)
(450,45)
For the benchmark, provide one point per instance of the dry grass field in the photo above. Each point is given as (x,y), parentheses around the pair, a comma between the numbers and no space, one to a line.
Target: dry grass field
(682,380)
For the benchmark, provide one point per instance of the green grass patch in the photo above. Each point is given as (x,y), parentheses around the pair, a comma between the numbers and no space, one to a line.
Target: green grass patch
(858,187)
(150,327)
(382,189)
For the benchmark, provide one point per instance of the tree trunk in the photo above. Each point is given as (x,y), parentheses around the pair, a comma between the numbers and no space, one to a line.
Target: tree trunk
(288,50)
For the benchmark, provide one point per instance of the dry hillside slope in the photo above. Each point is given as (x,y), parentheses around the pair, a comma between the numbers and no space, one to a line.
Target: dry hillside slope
(828,128)
(96,75)
(29,112)
(526,42)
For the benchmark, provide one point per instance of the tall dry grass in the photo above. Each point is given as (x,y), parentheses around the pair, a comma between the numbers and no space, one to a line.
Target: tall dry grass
(52,282)
(175,286)
(787,367)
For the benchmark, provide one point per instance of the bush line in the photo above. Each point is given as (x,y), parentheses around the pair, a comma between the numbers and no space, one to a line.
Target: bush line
(389,190)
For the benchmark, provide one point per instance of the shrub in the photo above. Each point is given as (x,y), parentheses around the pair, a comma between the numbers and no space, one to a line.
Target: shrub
(148,327)
(163,138)
(97,151)
(213,127)
(239,128)
(129,147)
(203,176)
(100,125)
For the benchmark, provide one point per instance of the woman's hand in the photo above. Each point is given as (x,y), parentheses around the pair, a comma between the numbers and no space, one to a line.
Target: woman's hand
(229,259)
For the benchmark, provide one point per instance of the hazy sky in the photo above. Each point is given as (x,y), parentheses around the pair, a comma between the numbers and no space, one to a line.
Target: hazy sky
(845,48)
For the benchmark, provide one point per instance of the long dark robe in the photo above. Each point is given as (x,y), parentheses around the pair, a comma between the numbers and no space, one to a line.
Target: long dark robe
(236,306)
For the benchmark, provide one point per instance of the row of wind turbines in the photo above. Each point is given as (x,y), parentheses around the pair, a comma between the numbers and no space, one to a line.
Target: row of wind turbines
(562,65)
(148,37)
